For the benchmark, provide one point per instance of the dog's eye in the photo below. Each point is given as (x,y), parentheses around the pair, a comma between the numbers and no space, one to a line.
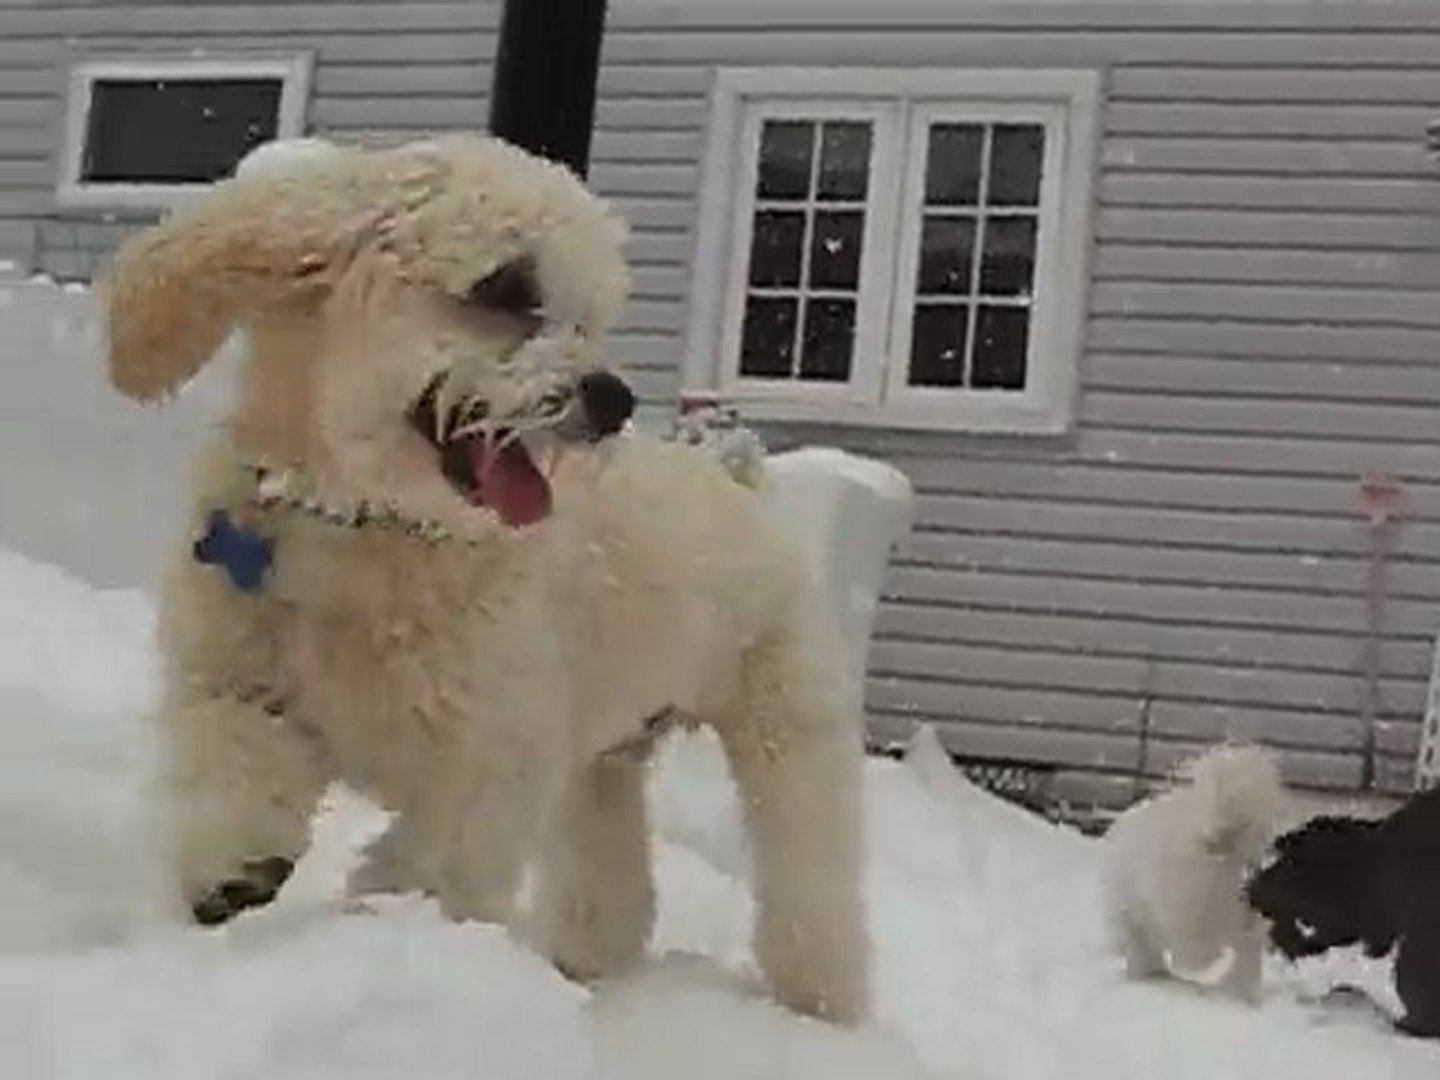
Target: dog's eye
(554,401)
(512,289)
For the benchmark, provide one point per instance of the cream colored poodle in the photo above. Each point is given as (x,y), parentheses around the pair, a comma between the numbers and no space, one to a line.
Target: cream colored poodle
(399,582)
(1179,863)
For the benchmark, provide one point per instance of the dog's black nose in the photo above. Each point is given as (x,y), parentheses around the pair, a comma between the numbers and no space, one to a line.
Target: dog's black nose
(608,402)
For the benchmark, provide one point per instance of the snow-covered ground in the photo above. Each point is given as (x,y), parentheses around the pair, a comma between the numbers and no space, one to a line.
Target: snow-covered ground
(990,960)
(88,479)
(989,957)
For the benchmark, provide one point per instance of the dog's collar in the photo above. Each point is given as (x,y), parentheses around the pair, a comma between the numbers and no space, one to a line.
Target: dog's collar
(285,489)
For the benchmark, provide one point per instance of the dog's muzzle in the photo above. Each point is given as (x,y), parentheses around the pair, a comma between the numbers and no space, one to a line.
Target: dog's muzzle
(606,404)
(595,406)
(484,456)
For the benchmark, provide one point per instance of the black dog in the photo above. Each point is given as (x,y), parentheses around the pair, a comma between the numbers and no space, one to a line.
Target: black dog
(1342,881)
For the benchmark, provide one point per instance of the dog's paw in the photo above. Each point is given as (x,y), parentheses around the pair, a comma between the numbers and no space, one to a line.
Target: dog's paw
(260,882)
(1418,1029)
(582,975)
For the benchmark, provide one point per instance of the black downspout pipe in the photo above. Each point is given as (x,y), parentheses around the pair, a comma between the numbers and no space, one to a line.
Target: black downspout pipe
(543,94)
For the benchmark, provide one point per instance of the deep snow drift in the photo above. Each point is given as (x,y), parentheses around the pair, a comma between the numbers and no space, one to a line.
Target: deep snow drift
(989,957)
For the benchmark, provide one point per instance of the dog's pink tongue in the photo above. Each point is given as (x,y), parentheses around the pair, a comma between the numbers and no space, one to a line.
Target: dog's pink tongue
(510,484)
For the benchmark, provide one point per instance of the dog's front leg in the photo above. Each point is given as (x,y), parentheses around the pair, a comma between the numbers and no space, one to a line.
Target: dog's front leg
(497,834)
(595,899)
(465,829)
(235,790)
(1243,980)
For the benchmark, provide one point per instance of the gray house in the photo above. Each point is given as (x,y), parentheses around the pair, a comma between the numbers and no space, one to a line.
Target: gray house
(1144,297)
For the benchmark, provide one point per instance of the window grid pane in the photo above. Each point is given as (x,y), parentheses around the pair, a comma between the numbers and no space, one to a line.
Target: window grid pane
(767,344)
(784,169)
(829,340)
(975,271)
(844,161)
(803,278)
(775,243)
(1015,164)
(835,249)
(801,329)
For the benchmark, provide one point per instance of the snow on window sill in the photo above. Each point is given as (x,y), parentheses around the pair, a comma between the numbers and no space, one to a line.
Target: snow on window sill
(981,414)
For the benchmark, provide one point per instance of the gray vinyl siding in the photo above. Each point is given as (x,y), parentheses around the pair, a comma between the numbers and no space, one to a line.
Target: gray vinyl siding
(384,70)
(1191,561)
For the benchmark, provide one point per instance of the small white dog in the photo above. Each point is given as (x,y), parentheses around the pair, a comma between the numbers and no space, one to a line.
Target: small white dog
(1178,865)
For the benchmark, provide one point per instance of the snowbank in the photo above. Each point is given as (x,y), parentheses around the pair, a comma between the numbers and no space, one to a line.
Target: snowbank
(849,512)
(989,961)
(91,480)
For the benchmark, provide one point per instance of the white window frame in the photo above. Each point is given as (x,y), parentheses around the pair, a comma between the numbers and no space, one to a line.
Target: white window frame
(902,101)
(871,315)
(294,70)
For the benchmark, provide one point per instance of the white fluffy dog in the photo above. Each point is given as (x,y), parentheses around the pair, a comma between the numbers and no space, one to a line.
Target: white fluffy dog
(397,585)
(1178,866)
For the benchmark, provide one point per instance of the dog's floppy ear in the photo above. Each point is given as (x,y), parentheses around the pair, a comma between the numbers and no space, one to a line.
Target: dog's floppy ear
(174,292)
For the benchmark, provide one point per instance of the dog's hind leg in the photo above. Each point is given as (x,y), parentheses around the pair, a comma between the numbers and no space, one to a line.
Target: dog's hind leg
(794,743)
(595,899)
(235,789)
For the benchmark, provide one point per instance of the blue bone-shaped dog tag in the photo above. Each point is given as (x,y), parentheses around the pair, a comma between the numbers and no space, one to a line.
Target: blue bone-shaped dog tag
(243,554)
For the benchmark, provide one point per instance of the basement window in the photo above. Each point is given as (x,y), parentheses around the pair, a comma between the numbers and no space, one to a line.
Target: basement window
(143,133)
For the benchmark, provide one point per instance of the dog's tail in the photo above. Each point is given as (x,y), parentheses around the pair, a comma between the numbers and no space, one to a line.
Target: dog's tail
(1241,787)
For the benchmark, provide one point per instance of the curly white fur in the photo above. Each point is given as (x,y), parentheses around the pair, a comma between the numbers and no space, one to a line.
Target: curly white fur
(1178,863)
(476,689)
(285,156)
